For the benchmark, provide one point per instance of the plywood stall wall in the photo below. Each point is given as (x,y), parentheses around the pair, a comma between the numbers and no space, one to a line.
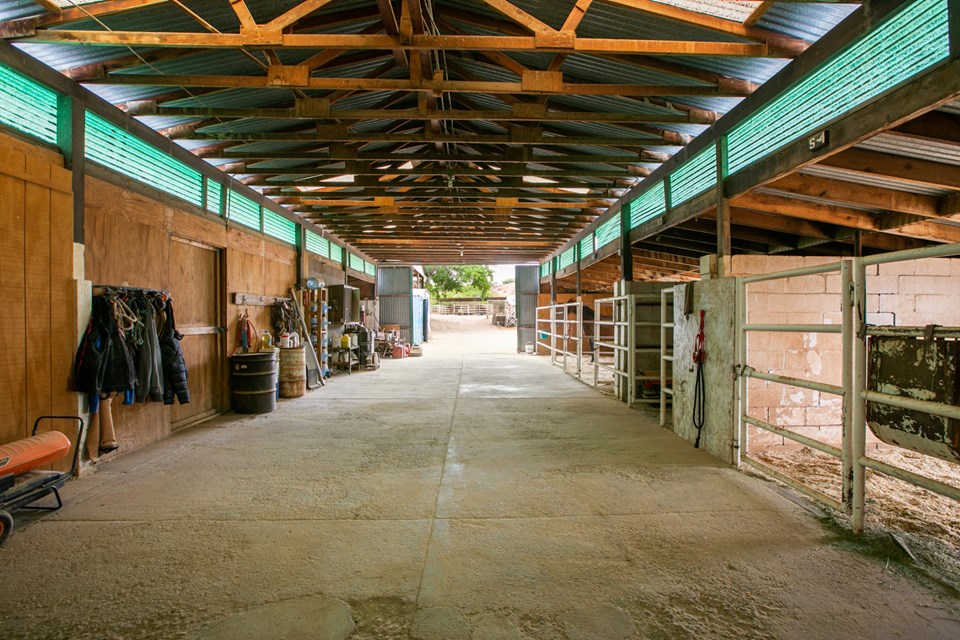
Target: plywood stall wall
(256,266)
(38,319)
(324,270)
(137,240)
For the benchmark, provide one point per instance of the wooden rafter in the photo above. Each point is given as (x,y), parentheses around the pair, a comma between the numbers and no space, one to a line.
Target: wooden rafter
(417,42)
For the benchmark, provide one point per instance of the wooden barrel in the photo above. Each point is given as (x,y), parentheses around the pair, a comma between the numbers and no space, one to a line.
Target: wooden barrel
(293,372)
(253,382)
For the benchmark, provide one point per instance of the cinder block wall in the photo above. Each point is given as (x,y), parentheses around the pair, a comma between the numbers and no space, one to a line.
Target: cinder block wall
(912,293)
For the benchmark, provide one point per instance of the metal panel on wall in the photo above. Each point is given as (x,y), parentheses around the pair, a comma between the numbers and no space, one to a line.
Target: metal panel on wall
(528,286)
(395,291)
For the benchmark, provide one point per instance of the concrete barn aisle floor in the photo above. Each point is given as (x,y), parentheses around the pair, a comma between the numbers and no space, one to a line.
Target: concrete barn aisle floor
(471,493)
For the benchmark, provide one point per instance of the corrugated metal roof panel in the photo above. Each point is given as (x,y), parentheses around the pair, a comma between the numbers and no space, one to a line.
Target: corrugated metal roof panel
(254,125)
(610,21)
(806,21)
(595,69)
(836,173)
(911,147)
(753,69)
(951,107)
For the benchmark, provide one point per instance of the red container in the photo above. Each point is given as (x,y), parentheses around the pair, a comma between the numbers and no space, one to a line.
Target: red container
(399,351)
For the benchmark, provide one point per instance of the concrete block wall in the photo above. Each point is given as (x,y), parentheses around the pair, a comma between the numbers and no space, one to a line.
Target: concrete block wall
(717,298)
(912,293)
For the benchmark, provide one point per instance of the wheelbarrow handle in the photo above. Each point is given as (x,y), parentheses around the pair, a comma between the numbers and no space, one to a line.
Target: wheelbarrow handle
(81,427)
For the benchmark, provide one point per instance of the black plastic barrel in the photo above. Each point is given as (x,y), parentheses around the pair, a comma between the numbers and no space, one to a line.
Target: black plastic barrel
(253,382)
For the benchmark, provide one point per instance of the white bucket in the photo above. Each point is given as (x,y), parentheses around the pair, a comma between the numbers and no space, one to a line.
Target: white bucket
(528,348)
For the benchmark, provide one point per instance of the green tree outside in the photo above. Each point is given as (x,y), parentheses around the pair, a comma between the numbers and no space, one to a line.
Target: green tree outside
(460,281)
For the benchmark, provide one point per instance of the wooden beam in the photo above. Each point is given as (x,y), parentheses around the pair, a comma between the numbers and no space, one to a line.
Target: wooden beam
(576,15)
(418,42)
(525,138)
(896,168)
(853,193)
(855,219)
(784,45)
(475,205)
(298,12)
(243,14)
(435,86)
(146,108)
(519,16)
(758,13)
(933,126)
(50,7)
(94,10)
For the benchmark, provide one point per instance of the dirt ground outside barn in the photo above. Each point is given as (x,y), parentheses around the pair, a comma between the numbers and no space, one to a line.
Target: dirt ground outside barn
(470,494)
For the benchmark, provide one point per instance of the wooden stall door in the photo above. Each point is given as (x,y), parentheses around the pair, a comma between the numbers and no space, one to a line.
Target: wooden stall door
(195,284)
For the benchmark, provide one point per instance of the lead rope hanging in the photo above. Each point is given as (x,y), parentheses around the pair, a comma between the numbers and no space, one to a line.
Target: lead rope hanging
(699,398)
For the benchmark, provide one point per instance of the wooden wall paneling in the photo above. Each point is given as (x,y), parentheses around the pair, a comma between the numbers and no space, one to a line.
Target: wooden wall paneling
(13,413)
(122,251)
(210,231)
(39,326)
(244,274)
(195,287)
(63,294)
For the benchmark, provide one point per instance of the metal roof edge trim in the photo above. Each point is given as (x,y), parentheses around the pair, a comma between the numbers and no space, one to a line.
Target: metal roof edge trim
(860,22)
(33,68)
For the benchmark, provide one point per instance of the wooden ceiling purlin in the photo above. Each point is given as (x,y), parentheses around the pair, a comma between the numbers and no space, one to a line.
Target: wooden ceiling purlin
(442,160)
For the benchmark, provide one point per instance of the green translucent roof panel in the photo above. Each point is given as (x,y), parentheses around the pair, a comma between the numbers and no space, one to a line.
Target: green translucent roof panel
(318,244)
(27,106)
(608,231)
(648,205)
(356,263)
(568,257)
(907,43)
(545,268)
(243,210)
(336,252)
(586,246)
(276,226)
(369,268)
(125,153)
(694,176)
(214,193)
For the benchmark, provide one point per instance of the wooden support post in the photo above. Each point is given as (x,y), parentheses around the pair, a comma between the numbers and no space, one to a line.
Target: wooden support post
(303,269)
(578,270)
(724,248)
(626,249)
(553,281)
(70,140)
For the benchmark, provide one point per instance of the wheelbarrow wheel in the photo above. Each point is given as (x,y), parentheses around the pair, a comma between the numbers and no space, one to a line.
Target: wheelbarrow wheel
(6,526)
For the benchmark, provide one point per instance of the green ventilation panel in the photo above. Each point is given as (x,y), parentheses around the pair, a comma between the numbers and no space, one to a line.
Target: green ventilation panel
(693,177)
(27,106)
(648,205)
(214,193)
(907,43)
(318,244)
(336,252)
(243,210)
(567,258)
(356,263)
(608,231)
(369,268)
(115,149)
(276,226)
(545,268)
(586,246)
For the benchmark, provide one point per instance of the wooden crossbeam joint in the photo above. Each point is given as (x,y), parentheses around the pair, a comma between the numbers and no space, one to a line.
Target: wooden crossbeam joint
(288,76)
